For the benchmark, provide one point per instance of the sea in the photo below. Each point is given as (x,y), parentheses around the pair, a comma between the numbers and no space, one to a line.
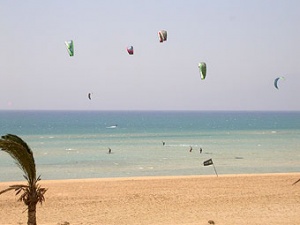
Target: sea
(75,144)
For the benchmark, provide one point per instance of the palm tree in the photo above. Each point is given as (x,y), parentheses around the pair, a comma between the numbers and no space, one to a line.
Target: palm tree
(32,192)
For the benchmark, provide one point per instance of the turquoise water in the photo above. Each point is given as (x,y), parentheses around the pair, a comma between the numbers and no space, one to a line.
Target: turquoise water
(74,144)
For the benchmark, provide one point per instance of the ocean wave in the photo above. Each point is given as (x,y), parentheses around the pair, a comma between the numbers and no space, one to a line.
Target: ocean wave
(112,127)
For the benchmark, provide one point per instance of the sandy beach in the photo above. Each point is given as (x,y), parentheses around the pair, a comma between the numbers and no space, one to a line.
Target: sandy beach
(227,199)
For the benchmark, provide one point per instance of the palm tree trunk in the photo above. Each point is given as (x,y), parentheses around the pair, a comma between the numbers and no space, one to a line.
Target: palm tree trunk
(31,214)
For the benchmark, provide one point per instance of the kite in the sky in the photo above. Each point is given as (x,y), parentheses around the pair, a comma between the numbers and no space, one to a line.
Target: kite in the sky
(276,81)
(90,96)
(70,47)
(130,50)
(202,70)
(162,34)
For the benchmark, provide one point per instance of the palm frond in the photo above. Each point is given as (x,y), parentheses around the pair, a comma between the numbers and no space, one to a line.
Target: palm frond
(16,188)
(21,153)
(27,192)
(32,196)
(6,190)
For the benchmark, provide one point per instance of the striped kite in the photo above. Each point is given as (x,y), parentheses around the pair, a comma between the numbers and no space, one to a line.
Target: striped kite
(202,70)
(162,34)
(70,47)
(130,50)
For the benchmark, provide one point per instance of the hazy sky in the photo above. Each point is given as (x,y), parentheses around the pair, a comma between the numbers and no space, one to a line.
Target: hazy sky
(246,44)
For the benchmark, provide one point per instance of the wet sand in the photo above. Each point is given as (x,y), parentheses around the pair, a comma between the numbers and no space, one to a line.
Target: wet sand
(190,200)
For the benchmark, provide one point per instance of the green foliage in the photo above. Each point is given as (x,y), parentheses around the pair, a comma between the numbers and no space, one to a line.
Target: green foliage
(28,195)
(32,193)
(21,153)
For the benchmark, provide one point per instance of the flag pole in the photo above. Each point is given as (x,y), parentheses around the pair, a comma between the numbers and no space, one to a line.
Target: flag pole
(215,170)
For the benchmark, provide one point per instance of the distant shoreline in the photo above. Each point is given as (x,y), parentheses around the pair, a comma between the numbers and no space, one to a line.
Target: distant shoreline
(136,178)
(147,110)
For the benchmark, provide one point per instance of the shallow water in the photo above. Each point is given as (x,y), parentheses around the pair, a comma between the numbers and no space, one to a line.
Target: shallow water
(74,144)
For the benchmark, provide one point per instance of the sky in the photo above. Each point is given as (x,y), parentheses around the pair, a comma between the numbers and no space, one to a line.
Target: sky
(245,45)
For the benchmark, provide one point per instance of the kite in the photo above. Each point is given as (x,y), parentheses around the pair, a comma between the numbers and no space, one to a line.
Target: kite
(130,50)
(90,96)
(162,34)
(276,81)
(70,47)
(202,70)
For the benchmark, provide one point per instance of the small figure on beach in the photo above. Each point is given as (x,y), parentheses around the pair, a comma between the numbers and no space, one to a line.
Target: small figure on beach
(191,149)
(200,150)
(163,143)
(109,150)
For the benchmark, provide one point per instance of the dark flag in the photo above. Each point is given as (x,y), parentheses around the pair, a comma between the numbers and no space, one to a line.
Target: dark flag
(208,162)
